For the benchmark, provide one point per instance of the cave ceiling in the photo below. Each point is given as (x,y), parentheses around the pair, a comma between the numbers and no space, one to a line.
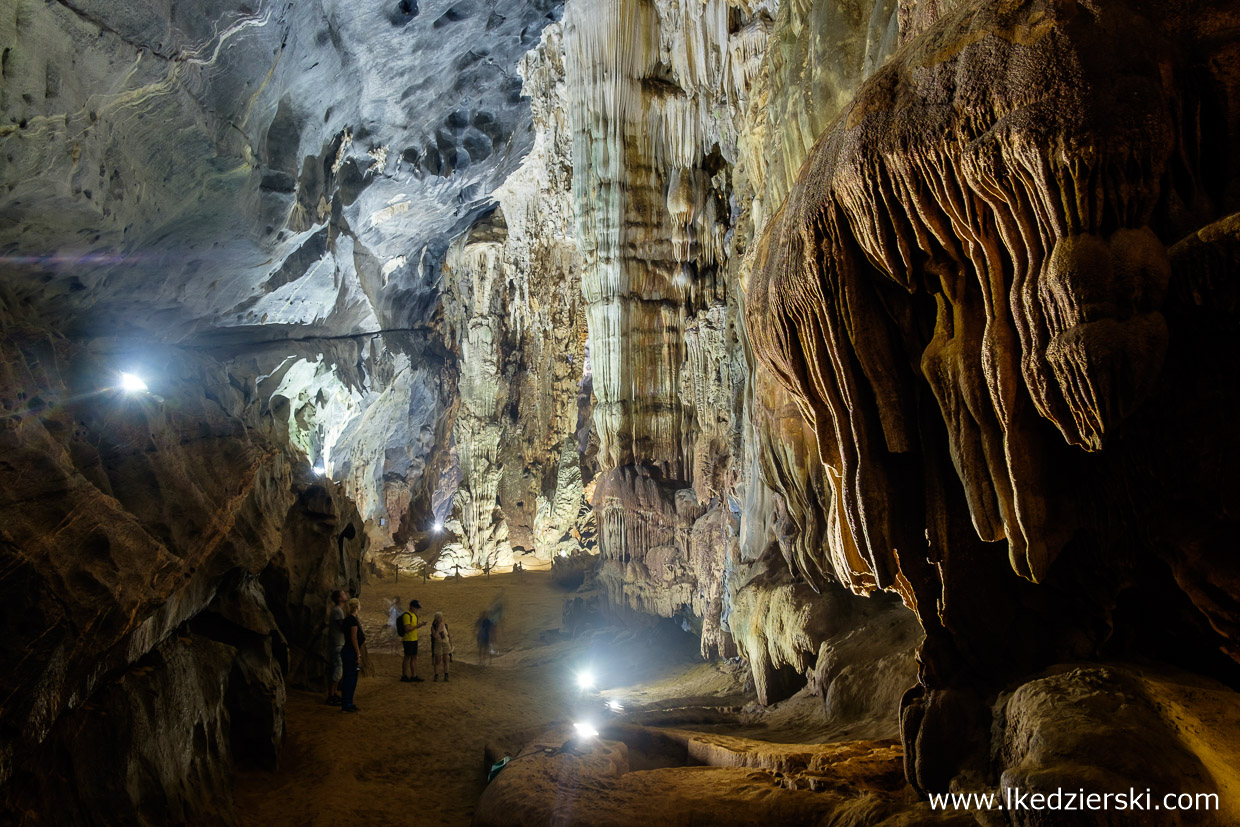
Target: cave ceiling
(246,172)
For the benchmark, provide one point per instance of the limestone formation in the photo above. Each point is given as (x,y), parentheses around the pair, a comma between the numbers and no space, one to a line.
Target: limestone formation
(250,175)
(967,295)
(165,566)
(514,314)
(716,779)
(655,92)
(888,346)
(1096,727)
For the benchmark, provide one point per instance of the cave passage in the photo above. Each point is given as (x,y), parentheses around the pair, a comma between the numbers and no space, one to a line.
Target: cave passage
(832,403)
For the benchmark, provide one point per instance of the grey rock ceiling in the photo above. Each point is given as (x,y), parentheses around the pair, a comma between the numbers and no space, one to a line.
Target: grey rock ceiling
(238,170)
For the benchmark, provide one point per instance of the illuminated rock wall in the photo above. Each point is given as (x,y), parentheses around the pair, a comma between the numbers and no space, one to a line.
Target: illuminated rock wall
(514,313)
(654,93)
(929,297)
(277,180)
(968,294)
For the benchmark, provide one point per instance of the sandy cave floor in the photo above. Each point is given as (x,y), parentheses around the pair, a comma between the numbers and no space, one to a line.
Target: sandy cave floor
(416,751)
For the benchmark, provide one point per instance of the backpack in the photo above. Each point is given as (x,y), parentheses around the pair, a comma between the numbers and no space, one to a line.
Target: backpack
(402,628)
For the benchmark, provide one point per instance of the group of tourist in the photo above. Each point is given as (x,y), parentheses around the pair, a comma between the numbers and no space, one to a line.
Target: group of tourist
(346,638)
(405,626)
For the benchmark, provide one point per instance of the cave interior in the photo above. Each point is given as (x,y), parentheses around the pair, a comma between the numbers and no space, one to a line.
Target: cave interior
(881,353)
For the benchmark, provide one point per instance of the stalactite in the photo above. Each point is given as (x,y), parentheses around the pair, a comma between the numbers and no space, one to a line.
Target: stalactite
(514,309)
(1046,278)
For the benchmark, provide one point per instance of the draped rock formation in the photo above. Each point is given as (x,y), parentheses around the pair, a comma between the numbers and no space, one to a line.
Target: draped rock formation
(887,345)
(689,490)
(968,294)
(653,90)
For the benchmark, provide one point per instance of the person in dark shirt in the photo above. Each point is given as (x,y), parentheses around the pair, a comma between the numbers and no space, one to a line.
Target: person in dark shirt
(484,630)
(351,655)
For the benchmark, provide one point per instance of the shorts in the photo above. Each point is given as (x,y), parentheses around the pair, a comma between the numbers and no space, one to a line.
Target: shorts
(337,664)
(411,648)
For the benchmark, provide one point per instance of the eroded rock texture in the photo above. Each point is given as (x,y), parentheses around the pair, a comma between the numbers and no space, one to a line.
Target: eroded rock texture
(164,565)
(515,316)
(969,297)
(792,302)
(256,173)
(704,512)
(700,777)
(650,89)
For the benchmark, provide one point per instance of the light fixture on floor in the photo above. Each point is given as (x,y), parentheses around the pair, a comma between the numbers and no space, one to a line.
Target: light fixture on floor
(585,729)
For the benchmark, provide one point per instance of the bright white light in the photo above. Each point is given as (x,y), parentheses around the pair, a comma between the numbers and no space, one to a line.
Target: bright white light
(438,525)
(585,730)
(585,680)
(615,706)
(132,383)
(319,470)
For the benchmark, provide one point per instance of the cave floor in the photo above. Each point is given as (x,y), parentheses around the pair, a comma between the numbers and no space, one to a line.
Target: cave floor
(416,753)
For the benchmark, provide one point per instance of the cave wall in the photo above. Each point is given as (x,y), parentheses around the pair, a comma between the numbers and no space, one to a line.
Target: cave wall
(807,301)
(250,175)
(654,93)
(515,318)
(951,232)
(166,559)
(978,296)
(686,119)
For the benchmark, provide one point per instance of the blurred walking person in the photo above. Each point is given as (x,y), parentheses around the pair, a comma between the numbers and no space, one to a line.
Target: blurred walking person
(483,630)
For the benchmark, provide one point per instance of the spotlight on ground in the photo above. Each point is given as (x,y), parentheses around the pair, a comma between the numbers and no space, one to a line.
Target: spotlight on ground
(585,680)
(132,383)
(585,729)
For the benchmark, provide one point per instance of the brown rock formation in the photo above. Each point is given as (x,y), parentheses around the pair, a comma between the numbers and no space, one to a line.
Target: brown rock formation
(701,778)
(156,597)
(966,293)
(930,297)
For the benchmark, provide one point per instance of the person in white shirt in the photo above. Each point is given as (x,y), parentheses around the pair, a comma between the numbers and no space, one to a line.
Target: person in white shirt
(335,639)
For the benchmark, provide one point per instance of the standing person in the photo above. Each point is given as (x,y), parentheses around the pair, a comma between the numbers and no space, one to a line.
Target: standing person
(441,646)
(354,639)
(483,629)
(335,639)
(394,614)
(407,625)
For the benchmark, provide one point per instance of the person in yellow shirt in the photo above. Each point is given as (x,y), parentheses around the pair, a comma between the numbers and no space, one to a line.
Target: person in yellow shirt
(407,626)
